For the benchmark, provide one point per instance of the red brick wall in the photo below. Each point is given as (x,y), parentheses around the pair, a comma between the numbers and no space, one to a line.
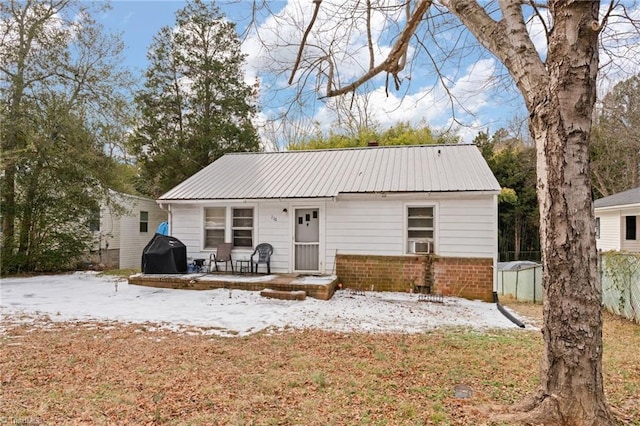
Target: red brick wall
(470,278)
(451,276)
(383,273)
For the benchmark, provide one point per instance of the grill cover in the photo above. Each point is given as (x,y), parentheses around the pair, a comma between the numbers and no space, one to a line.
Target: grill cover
(164,255)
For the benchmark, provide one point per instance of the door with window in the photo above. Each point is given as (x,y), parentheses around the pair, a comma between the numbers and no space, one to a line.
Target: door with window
(307,240)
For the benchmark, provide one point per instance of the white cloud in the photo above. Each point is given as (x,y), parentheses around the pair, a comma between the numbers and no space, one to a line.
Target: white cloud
(432,105)
(474,97)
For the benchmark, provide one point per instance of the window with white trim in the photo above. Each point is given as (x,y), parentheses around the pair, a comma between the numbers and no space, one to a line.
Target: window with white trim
(214,225)
(419,229)
(144,221)
(242,227)
(597,227)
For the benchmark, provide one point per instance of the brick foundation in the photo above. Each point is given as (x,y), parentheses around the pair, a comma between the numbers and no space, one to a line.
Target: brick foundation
(451,276)
(471,278)
(381,273)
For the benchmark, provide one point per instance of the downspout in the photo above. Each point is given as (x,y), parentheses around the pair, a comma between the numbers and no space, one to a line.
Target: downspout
(495,271)
(506,313)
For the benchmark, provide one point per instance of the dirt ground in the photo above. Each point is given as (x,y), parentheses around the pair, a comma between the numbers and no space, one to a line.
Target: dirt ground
(109,373)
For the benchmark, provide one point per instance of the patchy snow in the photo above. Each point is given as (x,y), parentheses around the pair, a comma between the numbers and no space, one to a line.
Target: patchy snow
(85,296)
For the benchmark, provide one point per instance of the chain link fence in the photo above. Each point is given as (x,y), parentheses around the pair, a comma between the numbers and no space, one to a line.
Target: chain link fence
(620,277)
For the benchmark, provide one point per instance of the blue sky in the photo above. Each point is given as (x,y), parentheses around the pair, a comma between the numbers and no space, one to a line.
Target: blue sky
(483,103)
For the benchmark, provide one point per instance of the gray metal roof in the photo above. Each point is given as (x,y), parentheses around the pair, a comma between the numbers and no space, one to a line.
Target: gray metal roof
(327,173)
(631,196)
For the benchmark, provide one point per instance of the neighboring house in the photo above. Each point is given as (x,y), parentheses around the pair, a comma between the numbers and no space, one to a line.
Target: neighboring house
(396,218)
(123,230)
(618,221)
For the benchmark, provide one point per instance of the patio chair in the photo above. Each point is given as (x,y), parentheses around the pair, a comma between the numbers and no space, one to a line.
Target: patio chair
(223,254)
(263,252)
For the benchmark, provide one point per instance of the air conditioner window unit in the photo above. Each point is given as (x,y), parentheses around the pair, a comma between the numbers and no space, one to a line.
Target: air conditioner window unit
(420,247)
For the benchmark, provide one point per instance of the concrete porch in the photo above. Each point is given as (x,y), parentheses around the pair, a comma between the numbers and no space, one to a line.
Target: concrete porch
(319,287)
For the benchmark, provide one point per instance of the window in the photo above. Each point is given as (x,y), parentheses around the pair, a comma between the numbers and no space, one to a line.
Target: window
(214,224)
(144,221)
(597,227)
(94,220)
(242,227)
(419,229)
(631,231)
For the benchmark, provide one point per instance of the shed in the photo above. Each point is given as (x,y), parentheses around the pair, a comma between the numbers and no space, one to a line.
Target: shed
(383,218)
(618,221)
(520,279)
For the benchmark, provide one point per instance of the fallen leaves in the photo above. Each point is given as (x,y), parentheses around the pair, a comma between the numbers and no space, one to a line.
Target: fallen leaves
(109,373)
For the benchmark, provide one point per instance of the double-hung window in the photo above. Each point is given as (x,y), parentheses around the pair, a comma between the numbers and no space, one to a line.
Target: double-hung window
(214,225)
(242,227)
(144,221)
(420,229)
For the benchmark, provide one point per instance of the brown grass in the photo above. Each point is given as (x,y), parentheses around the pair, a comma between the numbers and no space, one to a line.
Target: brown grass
(93,373)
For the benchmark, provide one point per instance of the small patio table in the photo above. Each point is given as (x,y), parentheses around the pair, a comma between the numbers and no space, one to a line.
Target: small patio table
(242,265)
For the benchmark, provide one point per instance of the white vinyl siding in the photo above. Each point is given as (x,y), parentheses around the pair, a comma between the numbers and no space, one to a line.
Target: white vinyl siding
(610,231)
(131,241)
(273,224)
(463,227)
(466,227)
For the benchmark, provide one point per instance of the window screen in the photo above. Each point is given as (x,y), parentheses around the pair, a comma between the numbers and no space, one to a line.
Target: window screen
(214,225)
(242,227)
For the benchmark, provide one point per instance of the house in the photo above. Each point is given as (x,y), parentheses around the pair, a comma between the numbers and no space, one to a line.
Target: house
(399,218)
(618,221)
(124,227)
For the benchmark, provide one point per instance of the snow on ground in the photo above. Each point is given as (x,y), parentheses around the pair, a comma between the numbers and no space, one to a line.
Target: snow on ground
(85,296)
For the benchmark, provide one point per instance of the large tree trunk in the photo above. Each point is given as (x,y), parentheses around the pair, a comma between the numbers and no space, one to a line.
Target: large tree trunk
(571,390)
(559,92)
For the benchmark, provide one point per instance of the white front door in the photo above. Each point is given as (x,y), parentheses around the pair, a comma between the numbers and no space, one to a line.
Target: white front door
(307,240)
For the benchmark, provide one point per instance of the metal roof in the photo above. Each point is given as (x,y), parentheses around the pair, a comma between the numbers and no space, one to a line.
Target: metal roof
(327,173)
(631,196)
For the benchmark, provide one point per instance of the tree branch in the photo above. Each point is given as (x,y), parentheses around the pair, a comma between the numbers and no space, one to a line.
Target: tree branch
(372,60)
(394,62)
(508,40)
(304,40)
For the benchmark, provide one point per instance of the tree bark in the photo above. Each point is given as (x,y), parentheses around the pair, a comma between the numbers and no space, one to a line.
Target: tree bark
(560,97)
(571,390)
(559,92)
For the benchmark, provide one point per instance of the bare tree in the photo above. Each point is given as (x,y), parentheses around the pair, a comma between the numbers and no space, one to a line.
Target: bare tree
(550,50)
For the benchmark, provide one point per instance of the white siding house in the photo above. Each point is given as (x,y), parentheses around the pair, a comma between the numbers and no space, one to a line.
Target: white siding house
(125,229)
(618,221)
(314,206)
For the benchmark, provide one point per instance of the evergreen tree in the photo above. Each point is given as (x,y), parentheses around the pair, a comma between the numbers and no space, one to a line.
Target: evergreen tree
(59,81)
(195,105)
(514,165)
